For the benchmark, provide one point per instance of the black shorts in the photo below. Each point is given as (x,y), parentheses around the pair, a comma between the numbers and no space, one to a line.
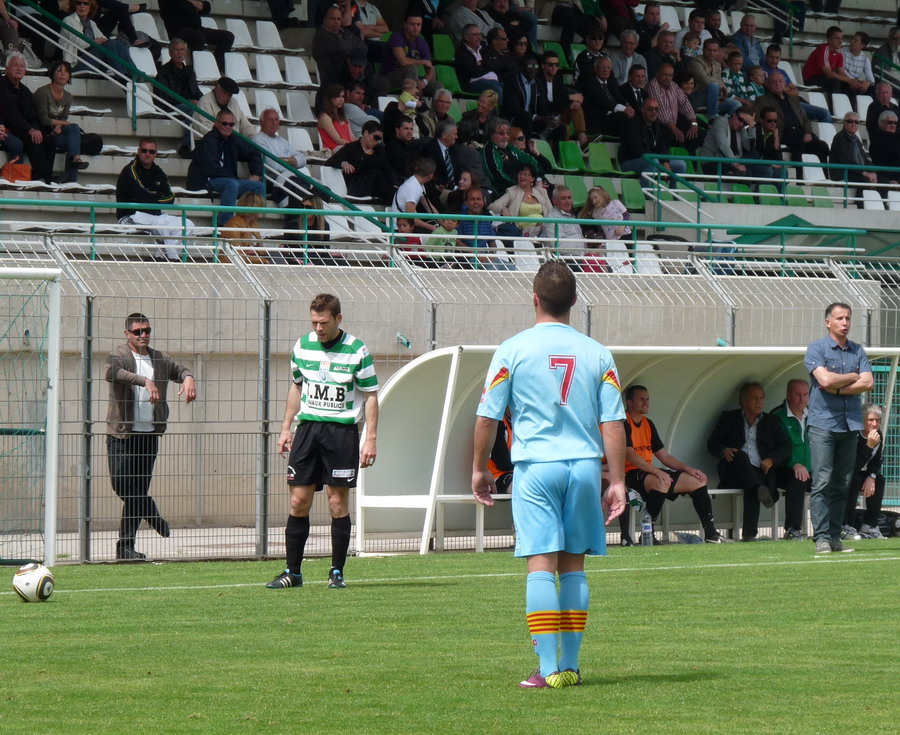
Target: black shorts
(634,480)
(324,453)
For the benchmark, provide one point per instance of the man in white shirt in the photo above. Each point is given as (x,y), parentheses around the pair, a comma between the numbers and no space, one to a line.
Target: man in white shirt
(286,188)
(568,236)
(412,193)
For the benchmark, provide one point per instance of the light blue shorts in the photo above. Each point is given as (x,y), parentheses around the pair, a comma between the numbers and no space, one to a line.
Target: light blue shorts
(556,507)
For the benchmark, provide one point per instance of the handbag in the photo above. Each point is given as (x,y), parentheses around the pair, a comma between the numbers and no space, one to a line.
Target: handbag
(91,144)
(14,172)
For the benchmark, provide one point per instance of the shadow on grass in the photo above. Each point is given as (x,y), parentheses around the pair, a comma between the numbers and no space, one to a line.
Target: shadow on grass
(674,677)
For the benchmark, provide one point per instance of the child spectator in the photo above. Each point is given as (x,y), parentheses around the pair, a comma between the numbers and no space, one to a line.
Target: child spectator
(600,205)
(442,241)
(737,85)
(408,242)
(411,99)
(690,47)
(756,77)
(243,226)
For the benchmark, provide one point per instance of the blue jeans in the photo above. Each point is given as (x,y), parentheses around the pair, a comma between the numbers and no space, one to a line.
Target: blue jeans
(69,142)
(816,114)
(229,191)
(833,454)
(120,50)
(708,96)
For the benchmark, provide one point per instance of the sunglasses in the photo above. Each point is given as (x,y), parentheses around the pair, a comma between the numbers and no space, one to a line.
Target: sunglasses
(521,137)
(226,124)
(81,3)
(148,150)
(142,330)
(551,63)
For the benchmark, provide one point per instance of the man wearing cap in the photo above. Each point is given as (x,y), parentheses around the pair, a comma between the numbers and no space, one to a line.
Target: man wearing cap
(221,97)
(356,68)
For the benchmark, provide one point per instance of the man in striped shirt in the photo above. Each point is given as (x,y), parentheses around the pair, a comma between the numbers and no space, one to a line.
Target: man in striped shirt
(333,384)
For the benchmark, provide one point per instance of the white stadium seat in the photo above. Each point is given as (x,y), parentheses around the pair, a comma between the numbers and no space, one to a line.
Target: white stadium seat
(205,66)
(237,68)
(266,99)
(872,200)
(238,27)
(297,73)
(268,38)
(298,108)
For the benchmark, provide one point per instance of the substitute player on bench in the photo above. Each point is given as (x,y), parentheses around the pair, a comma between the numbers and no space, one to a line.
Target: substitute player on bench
(558,385)
(333,378)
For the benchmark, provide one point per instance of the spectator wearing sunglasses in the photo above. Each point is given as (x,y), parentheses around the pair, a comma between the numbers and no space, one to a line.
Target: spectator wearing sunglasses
(365,165)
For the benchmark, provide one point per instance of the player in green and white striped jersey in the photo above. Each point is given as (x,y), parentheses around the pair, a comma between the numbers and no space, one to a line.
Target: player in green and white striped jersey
(333,386)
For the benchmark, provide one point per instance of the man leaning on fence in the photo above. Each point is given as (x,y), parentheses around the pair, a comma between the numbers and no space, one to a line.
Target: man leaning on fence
(143,182)
(138,378)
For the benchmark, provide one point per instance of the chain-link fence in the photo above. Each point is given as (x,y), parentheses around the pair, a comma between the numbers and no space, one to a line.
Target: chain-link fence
(233,321)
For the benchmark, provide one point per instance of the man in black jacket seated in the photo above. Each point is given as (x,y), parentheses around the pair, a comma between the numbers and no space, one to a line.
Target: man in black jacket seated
(215,165)
(749,445)
(143,182)
(648,136)
(23,129)
(182,20)
(179,76)
(365,164)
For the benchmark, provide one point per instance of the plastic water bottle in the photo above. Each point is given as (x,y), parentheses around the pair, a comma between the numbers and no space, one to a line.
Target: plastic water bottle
(646,530)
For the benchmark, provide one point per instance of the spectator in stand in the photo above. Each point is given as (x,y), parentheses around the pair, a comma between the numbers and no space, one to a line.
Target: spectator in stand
(773,57)
(221,97)
(584,63)
(768,141)
(634,91)
(847,147)
(23,127)
(521,47)
(733,136)
(566,236)
(407,52)
(366,21)
(114,14)
(474,75)
(480,235)
(867,477)
(456,199)
(606,111)
(180,77)
(749,445)
(281,14)
(473,125)
(440,105)
(714,26)
(675,108)
(215,165)
(242,229)
(9,27)
(648,27)
(513,20)
(285,187)
(794,128)
(711,91)
(825,65)
(580,18)
(52,103)
(793,475)
(182,20)
(882,102)
(354,108)
(665,53)
(884,147)
(465,13)
(831,6)
(690,48)
(364,163)
(411,196)
(651,136)
(737,85)
(500,160)
(333,45)
(333,125)
(526,199)
(747,43)
(888,52)
(143,182)
(77,51)
(402,148)
(626,56)
(527,145)
(497,57)
(447,167)
(696,24)
(356,68)
(619,16)
(858,67)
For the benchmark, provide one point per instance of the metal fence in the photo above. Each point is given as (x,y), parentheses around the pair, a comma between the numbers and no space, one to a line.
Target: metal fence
(218,479)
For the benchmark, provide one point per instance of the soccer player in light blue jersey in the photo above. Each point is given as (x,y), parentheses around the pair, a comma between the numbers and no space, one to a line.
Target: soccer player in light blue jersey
(562,389)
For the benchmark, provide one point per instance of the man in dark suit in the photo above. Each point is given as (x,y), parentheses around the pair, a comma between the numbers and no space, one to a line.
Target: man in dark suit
(528,103)
(475,75)
(634,90)
(750,445)
(605,110)
(447,165)
(882,102)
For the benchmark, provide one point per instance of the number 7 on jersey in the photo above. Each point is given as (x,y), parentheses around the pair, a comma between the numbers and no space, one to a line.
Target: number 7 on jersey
(566,363)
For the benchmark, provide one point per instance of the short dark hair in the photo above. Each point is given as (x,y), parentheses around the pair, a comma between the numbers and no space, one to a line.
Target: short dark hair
(57,64)
(555,288)
(221,113)
(493,33)
(697,13)
(425,166)
(632,389)
(837,305)
(326,302)
(735,55)
(402,120)
(136,317)
(147,139)
(549,55)
(708,41)
(745,388)
(372,126)
(832,30)
(793,381)
(636,67)
(773,47)
(864,37)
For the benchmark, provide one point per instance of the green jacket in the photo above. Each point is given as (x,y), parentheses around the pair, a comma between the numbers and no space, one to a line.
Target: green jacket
(799,438)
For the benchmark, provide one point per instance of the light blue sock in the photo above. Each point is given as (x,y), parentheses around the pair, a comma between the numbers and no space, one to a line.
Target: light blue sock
(542,611)
(574,600)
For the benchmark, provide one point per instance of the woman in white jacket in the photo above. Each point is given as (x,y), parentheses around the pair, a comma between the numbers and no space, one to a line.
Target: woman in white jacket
(76,49)
(526,199)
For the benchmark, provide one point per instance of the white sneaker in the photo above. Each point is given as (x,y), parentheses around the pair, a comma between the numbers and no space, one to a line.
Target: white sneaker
(870,532)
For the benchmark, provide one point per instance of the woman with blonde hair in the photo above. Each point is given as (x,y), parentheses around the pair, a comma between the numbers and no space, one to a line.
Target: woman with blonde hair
(473,124)
(600,205)
(241,228)
(334,127)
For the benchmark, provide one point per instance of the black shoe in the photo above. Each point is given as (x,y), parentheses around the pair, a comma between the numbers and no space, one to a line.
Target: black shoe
(717,538)
(336,579)
(142,8)
(765,496)
(127,553)
(185,152)
(287,23)
(160,525)
(80,165)
(626,541)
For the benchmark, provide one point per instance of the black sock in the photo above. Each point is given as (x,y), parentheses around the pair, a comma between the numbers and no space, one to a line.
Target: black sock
(625,522)
(295,534)
(340,541)
(655,503)
(703,505)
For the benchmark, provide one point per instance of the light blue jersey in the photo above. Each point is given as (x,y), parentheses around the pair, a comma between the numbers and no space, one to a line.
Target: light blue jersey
(558,384)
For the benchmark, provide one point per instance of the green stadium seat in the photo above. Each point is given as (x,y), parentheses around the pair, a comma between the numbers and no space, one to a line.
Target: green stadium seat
(446,75)
(442,49)
(563,61)
(741,194)
(632,195)
(577,48)
(606,183)
(599,160)
(570,156)
(714,190)
(795,196)
(677,151)
(546,150)
(455,110)
(820,191)
(579,189)
(770,194)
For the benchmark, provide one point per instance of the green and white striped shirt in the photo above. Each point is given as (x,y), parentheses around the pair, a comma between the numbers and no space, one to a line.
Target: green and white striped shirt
(330,379)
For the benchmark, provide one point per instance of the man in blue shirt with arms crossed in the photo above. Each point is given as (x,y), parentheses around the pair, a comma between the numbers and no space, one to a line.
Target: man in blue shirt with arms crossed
(840,371)
(562,389)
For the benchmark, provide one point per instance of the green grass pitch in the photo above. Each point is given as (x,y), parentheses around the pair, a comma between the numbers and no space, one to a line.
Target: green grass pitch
(745,638)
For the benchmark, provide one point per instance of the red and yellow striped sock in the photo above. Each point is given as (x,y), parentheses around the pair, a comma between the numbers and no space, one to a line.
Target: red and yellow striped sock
(542,612)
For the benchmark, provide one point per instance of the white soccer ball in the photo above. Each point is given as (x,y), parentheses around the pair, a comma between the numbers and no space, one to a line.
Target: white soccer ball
(33,583)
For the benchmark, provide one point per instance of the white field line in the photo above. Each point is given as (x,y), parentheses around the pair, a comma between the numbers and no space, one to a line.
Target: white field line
(837,559)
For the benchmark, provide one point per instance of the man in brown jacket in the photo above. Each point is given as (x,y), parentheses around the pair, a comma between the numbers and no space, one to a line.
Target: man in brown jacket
(138,379)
